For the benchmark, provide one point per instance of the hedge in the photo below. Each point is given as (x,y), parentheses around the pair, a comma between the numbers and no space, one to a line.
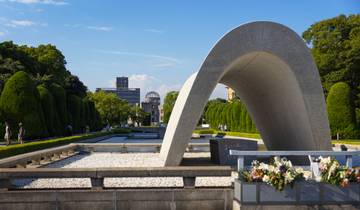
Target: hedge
(341,111)
(233,115)
(47,103)
(59,95)
(74,107)
(17,149)
(20,102)
(228,133)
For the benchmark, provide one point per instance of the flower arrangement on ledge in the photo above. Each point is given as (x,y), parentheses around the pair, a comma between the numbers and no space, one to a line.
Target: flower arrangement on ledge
(280,173)
(333,173)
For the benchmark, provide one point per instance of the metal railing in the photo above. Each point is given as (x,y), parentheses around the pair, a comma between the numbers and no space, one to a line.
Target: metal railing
(310,154)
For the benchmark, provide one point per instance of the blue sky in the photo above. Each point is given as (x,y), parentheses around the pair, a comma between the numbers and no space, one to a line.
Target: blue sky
(157,44)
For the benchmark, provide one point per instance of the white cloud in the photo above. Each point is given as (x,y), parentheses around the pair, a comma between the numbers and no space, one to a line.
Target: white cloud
(50,2)
(2,33)
(19,23)
(16,23)
(153,30)
(148,83)
(99,28)
(158,61)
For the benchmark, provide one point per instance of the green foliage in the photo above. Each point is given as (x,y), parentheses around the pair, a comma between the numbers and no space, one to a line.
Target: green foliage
(340,110)
(95,120)
(205,131)
(232,115)
(74,86)
(20,102)
(44,60)
(74,105)
(111,108)
(228,133)
(61,113)
(120,131)
(47,103)
(38,145)
(336,49)
(169,103)
(138,115)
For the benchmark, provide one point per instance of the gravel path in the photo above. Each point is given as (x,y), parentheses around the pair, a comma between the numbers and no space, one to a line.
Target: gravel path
(119,160)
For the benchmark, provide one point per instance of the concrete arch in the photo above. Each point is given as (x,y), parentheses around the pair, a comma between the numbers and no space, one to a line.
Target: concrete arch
(270,67)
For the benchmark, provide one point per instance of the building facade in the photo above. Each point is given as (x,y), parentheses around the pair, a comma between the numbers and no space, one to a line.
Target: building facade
(122,90)
(151,106)
(230,94)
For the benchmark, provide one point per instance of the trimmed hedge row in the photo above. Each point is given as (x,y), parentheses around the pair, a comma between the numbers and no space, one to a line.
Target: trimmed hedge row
(39,145)
(20,102)
(228,133)
(341,111)
(233,115)
(45,110)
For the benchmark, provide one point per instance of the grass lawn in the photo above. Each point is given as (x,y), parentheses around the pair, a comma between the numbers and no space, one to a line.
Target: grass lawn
(7,151)
(257,136)
(347,141)
(229,133)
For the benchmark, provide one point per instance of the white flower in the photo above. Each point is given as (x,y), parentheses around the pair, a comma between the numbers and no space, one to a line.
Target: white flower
(299,170)
(276,159)
(288,177)
(266,178)
(325,160)
(288,164)
(264,166)
(307,175)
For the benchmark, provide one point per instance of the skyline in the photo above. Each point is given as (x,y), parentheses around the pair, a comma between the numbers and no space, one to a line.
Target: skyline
(158,45)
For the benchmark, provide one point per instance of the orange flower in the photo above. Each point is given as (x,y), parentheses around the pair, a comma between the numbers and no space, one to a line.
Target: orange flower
(344,183)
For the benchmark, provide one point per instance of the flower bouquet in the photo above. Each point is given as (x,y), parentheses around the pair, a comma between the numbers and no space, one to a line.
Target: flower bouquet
(333,173)
(279,173)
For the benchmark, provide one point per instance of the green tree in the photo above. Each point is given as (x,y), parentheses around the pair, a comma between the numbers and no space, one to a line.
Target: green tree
(47,102)
(138,115)
(340,110)
(74,86)
(60,106)
(169,103)
(335,46)
(20,102)
(74,107)
(111,108)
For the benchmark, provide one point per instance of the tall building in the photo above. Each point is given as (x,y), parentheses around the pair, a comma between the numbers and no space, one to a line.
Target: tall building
(122,82)
(151,106)
(131,95)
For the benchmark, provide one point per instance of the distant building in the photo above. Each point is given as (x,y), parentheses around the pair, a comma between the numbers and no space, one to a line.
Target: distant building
(131,95)
(151,106)
(122,82)
(230,94)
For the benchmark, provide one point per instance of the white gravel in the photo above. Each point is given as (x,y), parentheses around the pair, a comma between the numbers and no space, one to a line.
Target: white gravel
(120,160)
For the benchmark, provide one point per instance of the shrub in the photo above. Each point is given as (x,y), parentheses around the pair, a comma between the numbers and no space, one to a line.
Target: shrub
(120,131)
(38,145)
(341,111)
(207,131)
(74,108)
(47,103)
(59,95)
(20,102)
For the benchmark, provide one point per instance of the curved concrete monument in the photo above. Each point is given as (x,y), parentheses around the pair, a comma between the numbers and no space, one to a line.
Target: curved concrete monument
(272,71)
